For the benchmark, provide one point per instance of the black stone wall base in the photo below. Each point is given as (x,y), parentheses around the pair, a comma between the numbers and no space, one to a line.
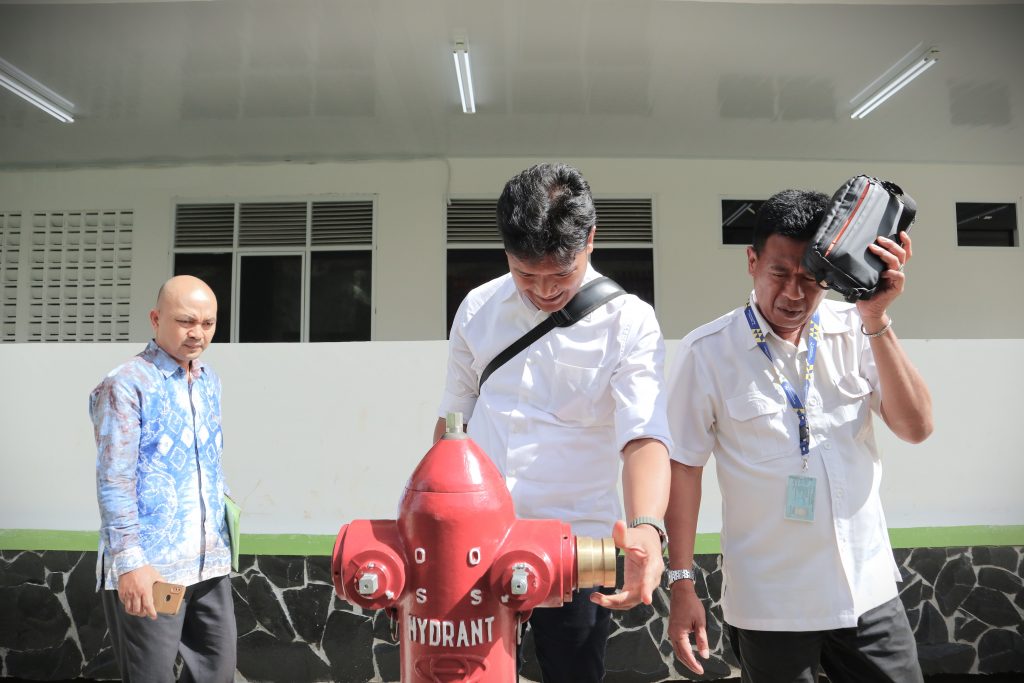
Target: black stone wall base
(966,606)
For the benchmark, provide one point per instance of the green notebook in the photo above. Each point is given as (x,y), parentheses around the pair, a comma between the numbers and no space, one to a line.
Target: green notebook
(232,513)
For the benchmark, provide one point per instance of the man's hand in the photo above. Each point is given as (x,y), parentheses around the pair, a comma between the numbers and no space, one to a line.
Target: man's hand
(641,548)
(135,588)
(687,617)
(891,282)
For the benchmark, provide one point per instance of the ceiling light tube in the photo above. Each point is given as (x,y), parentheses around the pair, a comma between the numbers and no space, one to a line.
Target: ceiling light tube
(465,78)
(34,92)
(897,83)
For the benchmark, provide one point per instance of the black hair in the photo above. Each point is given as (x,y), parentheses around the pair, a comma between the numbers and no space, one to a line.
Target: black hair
(790,213)
(546,211)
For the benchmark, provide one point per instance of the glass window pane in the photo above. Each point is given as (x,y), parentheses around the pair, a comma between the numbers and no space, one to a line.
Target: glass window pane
(980,224)
(339,296)
(270,299)
(467,269)
(214,270)
(738,218)
(631,268)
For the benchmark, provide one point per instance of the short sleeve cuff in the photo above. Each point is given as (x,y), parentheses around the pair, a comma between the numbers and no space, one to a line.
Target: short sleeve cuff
(635,434)
(128,560)
(691,458)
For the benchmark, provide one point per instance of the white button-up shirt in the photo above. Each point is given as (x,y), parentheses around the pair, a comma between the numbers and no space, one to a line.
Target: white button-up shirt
(555,418)
(780,574)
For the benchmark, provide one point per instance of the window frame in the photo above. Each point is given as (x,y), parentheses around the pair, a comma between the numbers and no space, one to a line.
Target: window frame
(237,252)
(1017,205)
(496,243)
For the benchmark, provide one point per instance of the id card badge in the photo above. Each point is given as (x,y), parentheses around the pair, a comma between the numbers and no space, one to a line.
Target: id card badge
(800,498)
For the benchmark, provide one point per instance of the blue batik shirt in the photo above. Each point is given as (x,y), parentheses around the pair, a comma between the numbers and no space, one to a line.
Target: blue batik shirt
(158,472)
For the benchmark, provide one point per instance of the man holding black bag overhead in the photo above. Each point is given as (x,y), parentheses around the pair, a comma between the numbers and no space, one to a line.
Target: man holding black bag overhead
(557,410)
(782,391)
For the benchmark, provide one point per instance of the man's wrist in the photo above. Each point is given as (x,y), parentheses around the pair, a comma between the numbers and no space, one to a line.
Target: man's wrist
(874,323)
(655,523)
(128,560)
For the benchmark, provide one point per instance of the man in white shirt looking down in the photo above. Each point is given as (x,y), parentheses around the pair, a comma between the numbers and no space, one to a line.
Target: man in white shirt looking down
(557,418)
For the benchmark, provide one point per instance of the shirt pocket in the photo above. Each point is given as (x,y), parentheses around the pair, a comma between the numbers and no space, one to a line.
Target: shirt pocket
(851,402)
(759,421)
(574,393)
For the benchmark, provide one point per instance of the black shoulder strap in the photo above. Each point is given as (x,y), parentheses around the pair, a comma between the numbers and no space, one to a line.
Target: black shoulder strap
(590,296)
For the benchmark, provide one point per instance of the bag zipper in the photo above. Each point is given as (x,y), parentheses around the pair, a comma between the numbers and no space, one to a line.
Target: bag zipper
(848,220)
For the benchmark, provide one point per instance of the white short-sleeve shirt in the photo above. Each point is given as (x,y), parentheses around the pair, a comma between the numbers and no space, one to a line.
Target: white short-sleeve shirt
(555,418)
(781,574)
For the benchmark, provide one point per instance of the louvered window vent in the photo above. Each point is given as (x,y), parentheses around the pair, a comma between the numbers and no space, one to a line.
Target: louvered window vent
(204,225)
(342,223)
(212,227)
(619,221)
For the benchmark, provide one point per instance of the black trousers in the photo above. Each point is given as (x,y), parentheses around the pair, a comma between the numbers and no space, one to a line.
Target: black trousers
(881,648)
(570,640)
(203,631)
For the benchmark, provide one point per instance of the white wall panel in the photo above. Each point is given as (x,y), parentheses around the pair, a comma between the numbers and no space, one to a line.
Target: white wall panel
(319,434)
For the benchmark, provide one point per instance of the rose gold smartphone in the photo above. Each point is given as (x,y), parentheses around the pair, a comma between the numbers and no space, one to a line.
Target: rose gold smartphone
(167,597)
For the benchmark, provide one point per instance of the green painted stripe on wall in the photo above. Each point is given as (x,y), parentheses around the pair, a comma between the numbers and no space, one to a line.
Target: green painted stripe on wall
(311,544)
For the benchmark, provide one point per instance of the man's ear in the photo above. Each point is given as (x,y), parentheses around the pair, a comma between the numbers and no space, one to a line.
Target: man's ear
(751,260)
(154,319)
(590,240)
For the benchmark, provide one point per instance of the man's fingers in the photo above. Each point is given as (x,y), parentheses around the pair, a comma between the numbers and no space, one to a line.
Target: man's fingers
(619,534)
(684,653)
(622,600)
(702,642)
(148,608)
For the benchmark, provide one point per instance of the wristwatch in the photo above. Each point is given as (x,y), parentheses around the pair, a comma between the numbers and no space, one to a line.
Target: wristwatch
(677,574)
(658,525)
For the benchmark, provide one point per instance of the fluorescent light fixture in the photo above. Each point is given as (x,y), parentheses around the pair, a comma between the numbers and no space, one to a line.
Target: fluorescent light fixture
(34,92)
(465,76)
(896,83)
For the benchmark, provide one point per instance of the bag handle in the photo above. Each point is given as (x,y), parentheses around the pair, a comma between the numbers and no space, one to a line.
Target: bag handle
(909,205)
(590,296)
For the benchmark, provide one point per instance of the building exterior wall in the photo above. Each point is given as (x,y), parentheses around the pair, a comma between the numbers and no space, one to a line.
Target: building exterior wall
(319,434)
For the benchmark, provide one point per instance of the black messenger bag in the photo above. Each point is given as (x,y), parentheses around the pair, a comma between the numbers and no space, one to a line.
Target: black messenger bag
(863,209)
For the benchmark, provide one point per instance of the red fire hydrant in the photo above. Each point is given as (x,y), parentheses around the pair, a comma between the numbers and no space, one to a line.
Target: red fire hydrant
(458,570)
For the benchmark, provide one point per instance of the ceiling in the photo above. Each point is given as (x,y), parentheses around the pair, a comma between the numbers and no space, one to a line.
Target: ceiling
(215,81)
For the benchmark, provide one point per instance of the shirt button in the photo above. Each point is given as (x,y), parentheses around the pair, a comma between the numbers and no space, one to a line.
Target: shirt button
(827,446)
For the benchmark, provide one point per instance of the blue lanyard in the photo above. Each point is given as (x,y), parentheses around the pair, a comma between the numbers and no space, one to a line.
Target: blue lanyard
(813,336)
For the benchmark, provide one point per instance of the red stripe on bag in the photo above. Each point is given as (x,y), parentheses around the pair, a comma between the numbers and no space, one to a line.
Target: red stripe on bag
(847,223)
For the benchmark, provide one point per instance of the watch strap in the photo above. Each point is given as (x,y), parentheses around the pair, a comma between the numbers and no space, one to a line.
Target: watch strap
(678,574)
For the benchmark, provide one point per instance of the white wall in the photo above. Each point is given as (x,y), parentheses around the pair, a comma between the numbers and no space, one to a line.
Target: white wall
(953,292)
(320,434)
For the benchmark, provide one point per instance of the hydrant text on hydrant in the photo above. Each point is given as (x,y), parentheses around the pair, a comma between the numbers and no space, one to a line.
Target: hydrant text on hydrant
(446,633)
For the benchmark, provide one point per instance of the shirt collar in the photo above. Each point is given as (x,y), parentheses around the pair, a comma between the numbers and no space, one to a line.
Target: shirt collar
(166,364)
(831,323)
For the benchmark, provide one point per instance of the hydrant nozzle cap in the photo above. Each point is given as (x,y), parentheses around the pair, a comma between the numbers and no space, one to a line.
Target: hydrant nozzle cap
(453,426)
